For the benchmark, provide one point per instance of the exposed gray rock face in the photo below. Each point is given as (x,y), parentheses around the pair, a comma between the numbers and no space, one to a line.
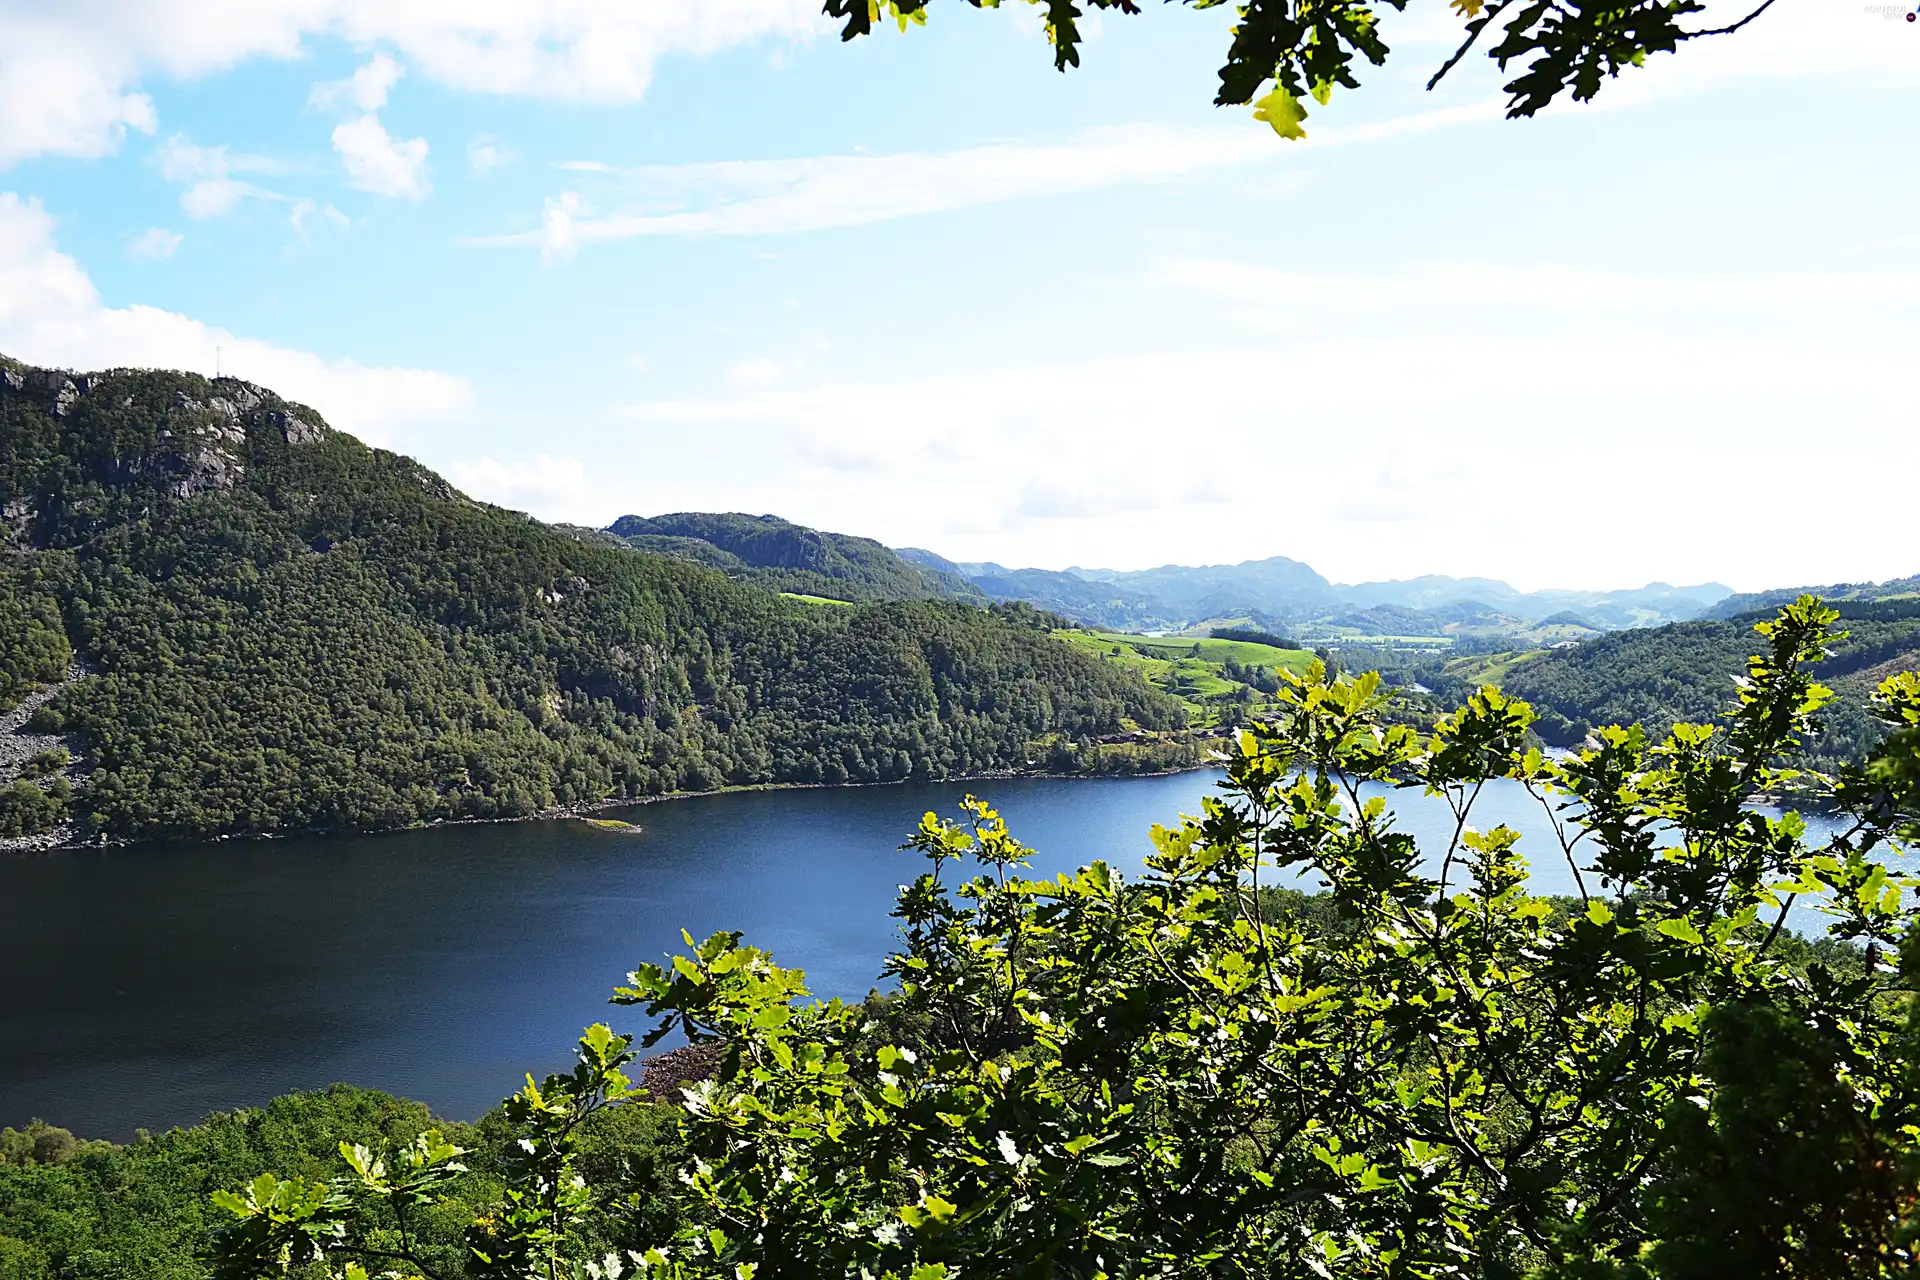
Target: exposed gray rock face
(293,428)
(246,397)
(55,385)
(203,454)
(433,484)
(17,746)
(12,381)
(191,466)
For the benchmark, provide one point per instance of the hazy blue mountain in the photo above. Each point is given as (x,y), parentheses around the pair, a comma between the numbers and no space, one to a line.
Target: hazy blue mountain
(1098,604)
(1656,602)
(1430,592)
(1286,593)
(1275,586)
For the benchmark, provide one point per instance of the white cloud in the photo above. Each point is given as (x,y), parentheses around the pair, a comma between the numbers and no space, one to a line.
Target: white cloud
(554,488)
(1434,291)
(375,160)
(771,197)
(303,210)
(762,371)
(153,244)
(216,197)
(207,173)
(764,197)
(378,162)
(1552,427)
(557,239)
(365,89)
(70,72)
(51,314)
(485,154)
(56,95)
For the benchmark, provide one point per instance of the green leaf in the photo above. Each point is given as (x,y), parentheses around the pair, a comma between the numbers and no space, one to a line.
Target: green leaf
(1680,929)
(1283,112)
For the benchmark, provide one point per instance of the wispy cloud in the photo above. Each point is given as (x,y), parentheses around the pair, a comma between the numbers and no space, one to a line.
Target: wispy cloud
(366,89)
(555,487)
(207,174)
(771,197)
(1489,407)
(1429,289)
(775,197)
(153,244)
(486,153)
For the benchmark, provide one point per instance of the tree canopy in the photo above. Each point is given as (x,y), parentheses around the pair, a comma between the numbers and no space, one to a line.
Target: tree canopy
(1307,48)
(1427,1071)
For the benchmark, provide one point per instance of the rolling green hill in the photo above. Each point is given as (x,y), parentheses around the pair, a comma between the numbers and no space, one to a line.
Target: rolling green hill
(783,556)
(285,629)
(1219,680)
(1685,672)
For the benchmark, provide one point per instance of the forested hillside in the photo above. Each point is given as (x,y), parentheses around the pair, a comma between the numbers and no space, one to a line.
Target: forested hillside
(286,629)
(1895,589)
(784,556)
(1685,672)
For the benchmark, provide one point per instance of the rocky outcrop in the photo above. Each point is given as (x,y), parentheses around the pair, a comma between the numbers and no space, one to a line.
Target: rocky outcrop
(18,746)
(293,428)
(54,385)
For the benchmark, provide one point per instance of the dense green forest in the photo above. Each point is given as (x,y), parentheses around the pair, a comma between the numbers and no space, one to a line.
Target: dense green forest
(784,556)
(290,630)
(1685,673)
(142,1211)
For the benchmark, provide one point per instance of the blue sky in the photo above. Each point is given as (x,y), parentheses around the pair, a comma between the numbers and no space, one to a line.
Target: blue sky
(589,258)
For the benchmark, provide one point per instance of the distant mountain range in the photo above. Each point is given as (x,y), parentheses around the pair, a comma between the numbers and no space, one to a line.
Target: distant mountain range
(1279,592)
(1276,593)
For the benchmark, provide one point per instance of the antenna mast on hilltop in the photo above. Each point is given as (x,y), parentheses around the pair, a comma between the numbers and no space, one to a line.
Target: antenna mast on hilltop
(216,363)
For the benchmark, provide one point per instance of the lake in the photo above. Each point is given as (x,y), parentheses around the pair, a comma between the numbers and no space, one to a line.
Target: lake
(147,986)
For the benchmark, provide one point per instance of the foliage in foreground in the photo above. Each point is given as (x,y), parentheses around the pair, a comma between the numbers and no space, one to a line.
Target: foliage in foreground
(1439,1075)
(141,1210)
(1311,46)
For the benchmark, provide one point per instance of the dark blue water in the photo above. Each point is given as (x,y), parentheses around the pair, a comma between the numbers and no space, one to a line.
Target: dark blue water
(145,987)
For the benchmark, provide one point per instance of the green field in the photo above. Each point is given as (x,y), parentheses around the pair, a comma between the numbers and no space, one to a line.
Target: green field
(1205,649)
(1193,670)
(795,595)
(1488,668)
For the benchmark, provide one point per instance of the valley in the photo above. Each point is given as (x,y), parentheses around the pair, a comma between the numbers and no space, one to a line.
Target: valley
(285,631)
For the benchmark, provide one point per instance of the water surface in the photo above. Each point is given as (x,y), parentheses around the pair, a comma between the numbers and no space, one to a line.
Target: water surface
(147,986)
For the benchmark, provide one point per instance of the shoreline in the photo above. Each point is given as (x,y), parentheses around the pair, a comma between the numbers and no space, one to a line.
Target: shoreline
(51,843)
